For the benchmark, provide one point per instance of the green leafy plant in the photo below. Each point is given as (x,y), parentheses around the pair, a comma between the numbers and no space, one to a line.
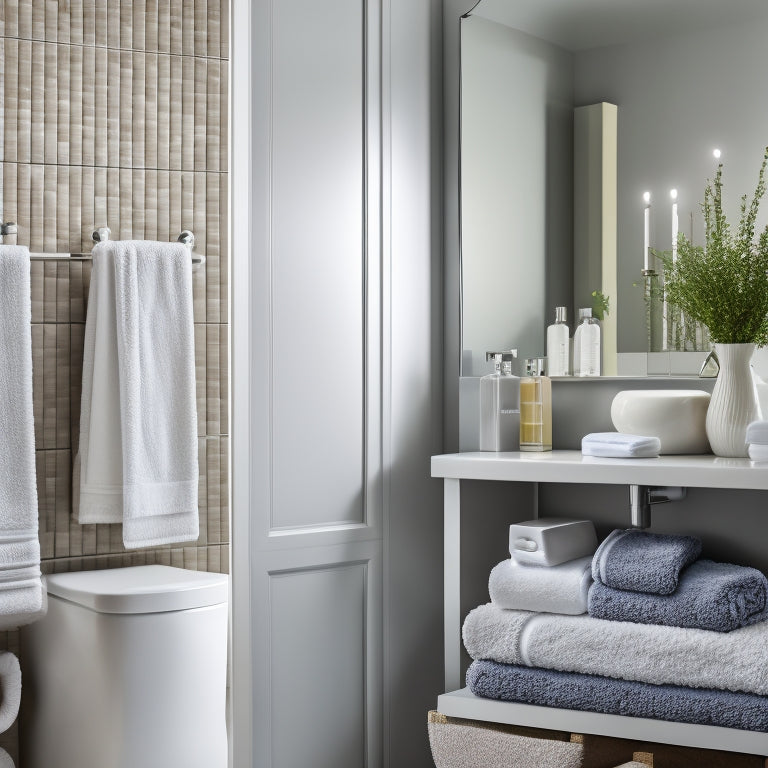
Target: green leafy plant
(724,283)
(600,305)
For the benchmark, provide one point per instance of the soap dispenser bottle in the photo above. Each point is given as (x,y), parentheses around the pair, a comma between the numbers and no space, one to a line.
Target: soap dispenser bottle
(586,345)
(535,407)
(500,404)
(558,345)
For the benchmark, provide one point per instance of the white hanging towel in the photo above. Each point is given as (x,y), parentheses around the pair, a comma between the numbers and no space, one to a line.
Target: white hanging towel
(22,596)
(137,459)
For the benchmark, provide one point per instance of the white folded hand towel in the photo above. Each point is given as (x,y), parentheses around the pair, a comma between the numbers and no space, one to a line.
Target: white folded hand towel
(621,446)
(138,443)
(550,589)
(757,433)
(19,546)
(758,452)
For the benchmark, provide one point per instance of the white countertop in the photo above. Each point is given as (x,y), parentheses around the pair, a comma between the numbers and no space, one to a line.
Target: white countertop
(705,471)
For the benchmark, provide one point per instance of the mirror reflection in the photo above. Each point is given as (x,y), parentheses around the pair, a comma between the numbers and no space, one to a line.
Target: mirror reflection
(686,78)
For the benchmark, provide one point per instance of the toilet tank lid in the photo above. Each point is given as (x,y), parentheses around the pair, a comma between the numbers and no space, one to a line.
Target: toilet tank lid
(140,589)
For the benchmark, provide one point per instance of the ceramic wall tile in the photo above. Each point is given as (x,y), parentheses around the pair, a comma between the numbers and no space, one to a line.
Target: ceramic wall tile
(114,113)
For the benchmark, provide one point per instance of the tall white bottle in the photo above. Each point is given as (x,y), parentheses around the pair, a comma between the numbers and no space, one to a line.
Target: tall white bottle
(586,345)
(558,345)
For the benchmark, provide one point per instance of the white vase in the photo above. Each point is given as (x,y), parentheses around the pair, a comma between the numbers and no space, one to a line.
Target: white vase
(734,401)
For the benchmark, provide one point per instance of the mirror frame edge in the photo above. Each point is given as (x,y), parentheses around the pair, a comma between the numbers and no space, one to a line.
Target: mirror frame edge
(453,12)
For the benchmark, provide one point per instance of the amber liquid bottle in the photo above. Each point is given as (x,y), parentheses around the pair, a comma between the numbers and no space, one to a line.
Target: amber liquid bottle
(535,407)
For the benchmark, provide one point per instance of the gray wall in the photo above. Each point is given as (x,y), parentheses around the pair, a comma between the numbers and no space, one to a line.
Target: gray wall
(413,545)
(679,98)
(516,184)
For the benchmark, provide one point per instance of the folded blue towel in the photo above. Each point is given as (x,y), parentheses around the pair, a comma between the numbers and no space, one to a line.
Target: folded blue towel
(643,562)
(592,693)
(716,596)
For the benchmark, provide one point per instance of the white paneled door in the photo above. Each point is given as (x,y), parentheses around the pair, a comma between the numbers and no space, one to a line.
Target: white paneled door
(336,381)
(315,405)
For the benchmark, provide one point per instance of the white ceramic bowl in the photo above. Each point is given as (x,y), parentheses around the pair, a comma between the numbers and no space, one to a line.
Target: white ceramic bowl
(676,416)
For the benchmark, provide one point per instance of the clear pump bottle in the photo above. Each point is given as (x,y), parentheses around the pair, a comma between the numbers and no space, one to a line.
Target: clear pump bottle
(558,345)
(586,345)
(500,405)
(535,407)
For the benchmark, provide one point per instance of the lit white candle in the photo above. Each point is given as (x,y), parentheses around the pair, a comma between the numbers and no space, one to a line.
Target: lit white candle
(646,229)
(673,195)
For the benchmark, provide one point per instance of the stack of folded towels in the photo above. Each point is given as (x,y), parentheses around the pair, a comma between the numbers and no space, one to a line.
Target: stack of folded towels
(668,636)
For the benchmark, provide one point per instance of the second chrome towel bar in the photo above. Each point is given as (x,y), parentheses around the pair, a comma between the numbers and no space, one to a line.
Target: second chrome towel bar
(99,235)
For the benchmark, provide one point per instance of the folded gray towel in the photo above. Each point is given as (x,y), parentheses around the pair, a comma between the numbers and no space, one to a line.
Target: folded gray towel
(643,562)
(716,596)
(569,690)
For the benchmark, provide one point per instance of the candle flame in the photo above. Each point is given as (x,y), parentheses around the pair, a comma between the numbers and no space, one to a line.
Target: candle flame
(673,194)
(647,197)
(716,154)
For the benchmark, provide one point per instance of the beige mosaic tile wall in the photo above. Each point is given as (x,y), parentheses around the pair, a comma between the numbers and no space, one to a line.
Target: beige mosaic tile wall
(114,113)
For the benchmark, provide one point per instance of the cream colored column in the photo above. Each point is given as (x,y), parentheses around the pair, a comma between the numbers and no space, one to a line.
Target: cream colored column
(595,149)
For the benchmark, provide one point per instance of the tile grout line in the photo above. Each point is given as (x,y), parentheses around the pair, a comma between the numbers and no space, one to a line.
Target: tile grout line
(113,48)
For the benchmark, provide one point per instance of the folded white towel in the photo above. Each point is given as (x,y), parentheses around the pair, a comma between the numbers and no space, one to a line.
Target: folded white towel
(138,428)
(620,445)
(10,690)
(5,759)
(647,653)
(757,433)
(758,452)
(19,547)
(551,589)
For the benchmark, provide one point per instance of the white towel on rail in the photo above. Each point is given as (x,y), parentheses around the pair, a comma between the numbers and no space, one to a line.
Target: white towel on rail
(22,596)
(138,427)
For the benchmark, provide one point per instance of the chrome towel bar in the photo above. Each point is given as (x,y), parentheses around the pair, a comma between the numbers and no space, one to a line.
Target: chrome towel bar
(99,235)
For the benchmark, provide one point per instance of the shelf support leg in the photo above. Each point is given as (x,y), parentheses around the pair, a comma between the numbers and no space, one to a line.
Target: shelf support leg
(452,582)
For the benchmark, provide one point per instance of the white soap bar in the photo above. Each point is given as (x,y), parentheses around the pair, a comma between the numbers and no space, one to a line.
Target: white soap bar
(551,540)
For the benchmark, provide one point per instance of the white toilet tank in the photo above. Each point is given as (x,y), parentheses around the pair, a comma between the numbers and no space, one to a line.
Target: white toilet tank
(127,670)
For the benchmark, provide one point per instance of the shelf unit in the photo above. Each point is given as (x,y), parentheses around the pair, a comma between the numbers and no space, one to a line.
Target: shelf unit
(571,467)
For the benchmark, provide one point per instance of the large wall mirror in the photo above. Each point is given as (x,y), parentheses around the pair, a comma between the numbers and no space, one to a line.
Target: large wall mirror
(687,77)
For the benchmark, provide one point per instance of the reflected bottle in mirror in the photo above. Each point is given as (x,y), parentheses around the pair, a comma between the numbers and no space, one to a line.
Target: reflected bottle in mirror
(586,345)
(558,344)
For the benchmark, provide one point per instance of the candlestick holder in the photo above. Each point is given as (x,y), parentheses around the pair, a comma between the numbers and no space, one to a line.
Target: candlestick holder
(654,316)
